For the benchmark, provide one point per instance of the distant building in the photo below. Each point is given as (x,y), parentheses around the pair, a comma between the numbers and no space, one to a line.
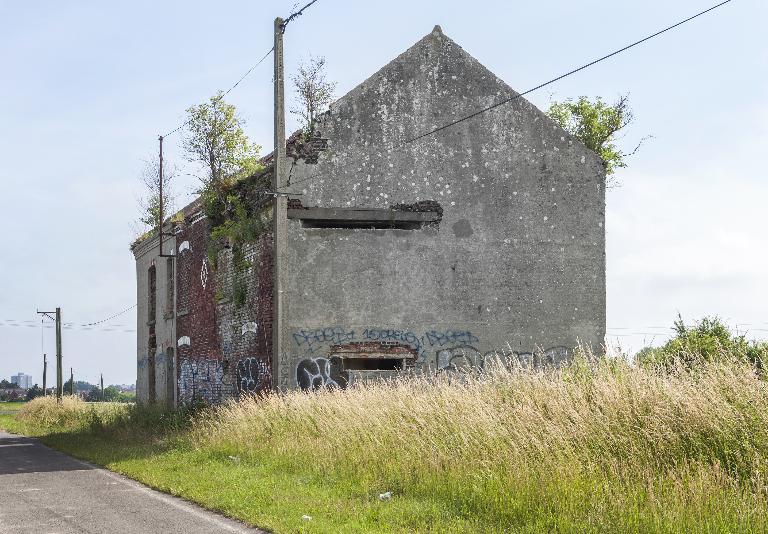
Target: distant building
(22,380)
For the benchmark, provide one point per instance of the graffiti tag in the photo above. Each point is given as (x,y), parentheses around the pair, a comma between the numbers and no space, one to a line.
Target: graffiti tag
(316,373)
(200,380)
(252,375)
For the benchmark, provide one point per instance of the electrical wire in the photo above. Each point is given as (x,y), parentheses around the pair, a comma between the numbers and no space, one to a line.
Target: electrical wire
(225,93)
(553,80)
(67,327)
(71,326)
(118,314)
(296,14)
(289,19)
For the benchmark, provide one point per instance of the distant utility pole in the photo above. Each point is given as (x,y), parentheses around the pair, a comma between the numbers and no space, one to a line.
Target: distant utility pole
(102,387)
(71,382)
(161,218)
(59,370)
(45,375)
(280,214)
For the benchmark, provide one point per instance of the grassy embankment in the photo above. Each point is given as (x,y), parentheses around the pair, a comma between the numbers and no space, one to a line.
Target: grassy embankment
(8,407)
(591,448)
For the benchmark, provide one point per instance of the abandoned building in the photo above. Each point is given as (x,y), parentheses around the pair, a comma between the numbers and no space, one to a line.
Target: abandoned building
(484,239)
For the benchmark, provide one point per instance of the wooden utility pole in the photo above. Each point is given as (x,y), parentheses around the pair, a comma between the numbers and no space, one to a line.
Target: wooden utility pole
(59,370)
(280,210)
(160,230)
(45,375)
(71,382)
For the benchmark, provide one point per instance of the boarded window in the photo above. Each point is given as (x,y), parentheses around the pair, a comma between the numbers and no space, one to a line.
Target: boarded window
(152,341)
(170,376)
(152,295)
(367,218)
(169,287)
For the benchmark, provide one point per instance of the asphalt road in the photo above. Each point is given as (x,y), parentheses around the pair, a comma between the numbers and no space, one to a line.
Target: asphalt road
(47,492)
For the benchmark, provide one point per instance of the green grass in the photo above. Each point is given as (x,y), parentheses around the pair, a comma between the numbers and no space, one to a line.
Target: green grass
(11,406)
(595,447)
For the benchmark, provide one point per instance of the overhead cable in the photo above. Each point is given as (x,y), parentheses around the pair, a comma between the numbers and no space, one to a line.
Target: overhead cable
(225,93)
(553,80)
(288,19)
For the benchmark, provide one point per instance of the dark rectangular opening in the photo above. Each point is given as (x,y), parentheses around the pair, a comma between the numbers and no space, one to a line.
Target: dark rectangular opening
(152,294)
(371,225)
(373,364)
(370,218)
(169,288)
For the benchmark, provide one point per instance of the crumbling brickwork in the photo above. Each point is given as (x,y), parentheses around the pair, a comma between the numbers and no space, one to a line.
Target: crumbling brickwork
(201,373)
(224,346)
(245,329)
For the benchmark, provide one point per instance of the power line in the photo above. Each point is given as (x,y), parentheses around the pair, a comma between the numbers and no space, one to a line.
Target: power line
(289,19)
(296,14)
(553,80)
(67,326)
(71,326)
(118,314)
(225,93)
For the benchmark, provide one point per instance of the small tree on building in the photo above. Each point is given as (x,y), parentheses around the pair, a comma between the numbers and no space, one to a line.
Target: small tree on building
(313,91)
(596,123)
(216,140)
(149,203)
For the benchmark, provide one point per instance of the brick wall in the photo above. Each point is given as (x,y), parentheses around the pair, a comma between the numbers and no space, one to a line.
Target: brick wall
(229,343)
(245,328)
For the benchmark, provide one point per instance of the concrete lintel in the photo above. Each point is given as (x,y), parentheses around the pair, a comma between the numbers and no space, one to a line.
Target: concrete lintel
(362,215)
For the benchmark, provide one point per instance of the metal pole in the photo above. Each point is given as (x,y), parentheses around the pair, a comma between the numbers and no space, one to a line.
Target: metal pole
(280,210)
(59,370)
(45,374)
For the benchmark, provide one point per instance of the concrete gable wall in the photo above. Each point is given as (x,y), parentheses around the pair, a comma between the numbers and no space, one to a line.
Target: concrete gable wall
(518,260)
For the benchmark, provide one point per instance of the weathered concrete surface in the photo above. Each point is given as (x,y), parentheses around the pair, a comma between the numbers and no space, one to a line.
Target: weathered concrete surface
(511,262)
(42,490)
(517,262)
(156,340)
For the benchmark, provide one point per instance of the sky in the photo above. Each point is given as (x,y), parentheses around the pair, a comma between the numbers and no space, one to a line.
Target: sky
(87,86)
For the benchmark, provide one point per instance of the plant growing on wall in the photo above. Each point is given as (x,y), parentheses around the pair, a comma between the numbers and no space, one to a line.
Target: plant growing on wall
(596,123)
(149,202)
(313,92)
(216,140)
(239,226)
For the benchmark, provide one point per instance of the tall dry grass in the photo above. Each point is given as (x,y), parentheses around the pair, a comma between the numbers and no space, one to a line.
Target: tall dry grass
(598,441)
(597,446)
(70,414)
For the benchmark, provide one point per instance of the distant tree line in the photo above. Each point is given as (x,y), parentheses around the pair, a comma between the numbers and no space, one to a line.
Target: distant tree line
(708,340)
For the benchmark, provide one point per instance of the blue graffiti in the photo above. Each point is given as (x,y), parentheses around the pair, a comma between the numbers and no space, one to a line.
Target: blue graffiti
(450,337)
(400,336)
(312,340)
(335,335)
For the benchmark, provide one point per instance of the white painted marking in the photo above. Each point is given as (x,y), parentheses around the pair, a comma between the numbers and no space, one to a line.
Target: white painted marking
(249,327)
